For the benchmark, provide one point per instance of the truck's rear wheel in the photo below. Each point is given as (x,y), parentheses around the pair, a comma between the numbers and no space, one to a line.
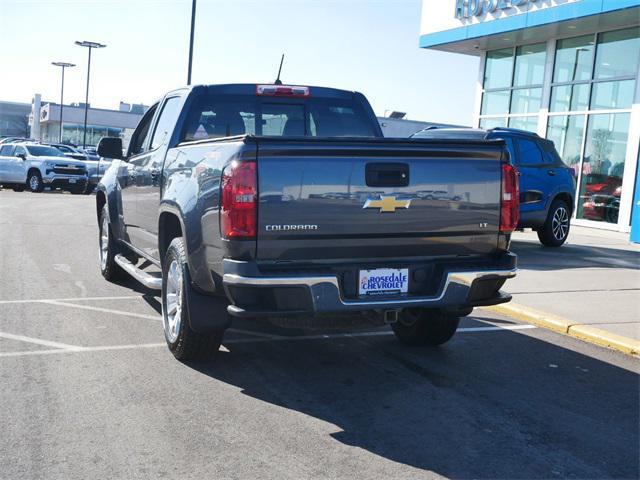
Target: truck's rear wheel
(184,343)
(109,269)
(423,326)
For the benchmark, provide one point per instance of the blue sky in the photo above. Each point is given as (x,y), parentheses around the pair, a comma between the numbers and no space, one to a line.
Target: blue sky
(365,45)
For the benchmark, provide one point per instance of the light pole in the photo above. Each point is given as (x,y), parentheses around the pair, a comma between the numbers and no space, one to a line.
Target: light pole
(63,65)
(193,23)
(90,46)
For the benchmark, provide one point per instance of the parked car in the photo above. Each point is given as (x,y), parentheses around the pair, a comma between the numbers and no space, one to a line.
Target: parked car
(92,153)
(188,198)
(36,166)
(70,151)
(17,140)
(601,201)
(547,185)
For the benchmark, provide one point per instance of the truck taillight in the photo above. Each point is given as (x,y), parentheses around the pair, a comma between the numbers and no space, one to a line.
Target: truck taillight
(510,200)
(238,214)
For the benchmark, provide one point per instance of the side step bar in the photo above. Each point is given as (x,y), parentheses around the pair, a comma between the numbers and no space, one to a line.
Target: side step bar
(150,281)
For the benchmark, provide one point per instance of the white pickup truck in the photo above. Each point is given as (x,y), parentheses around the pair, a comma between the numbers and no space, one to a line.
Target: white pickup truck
(34,166)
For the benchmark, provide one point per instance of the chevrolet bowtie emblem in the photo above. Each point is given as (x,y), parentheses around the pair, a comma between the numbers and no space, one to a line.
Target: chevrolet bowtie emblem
(387,204)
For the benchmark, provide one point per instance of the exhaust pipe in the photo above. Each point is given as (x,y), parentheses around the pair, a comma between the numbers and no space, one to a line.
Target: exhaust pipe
(391,316)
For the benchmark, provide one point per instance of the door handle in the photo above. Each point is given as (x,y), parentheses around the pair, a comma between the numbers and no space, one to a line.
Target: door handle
(551,172)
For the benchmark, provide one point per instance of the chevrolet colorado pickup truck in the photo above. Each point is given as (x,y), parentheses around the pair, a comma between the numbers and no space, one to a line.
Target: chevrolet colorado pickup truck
(261,201)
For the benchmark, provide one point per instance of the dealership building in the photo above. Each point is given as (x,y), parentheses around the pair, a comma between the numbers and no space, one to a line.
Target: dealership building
(565,69)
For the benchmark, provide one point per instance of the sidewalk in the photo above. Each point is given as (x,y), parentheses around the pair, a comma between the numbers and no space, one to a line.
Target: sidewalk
(593,280)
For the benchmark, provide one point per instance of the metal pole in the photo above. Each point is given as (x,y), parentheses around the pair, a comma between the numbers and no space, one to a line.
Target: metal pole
(61,103)
(86,102)
(193,23)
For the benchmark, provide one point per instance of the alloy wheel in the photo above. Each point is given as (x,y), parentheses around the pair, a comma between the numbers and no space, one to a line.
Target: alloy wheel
(104,243)
(560,223)
(173,315)
(34,182)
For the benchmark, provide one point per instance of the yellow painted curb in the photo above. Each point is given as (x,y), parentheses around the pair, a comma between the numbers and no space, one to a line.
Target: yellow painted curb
(558,324)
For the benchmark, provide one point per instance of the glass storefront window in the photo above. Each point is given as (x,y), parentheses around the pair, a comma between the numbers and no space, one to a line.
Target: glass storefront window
(574,58)
(603,167)
(498,68)
(567,133)
(489,123)
(618,54)
(494,103)
(530,60)
(524,123)
(567,98)
(526,100)
(610,95)
(73,133)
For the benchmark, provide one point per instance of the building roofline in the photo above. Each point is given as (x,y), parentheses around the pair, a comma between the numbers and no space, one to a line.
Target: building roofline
(95,109)
(576,11)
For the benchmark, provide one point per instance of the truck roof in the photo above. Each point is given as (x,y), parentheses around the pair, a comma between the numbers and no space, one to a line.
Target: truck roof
(250,89)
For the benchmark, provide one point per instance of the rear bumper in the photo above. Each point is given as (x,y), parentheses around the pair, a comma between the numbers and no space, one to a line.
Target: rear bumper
(254,296)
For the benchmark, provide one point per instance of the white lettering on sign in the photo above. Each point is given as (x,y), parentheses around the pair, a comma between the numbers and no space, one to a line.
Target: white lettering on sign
(475,8)
(443,15)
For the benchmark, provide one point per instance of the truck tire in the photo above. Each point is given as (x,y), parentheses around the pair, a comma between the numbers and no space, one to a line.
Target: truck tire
(555,230)
(108,249)
(18,188)
(424,326)
(183,342)
(34,181)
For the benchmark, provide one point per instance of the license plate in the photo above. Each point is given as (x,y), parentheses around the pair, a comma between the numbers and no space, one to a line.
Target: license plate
(72,180)
(384,281)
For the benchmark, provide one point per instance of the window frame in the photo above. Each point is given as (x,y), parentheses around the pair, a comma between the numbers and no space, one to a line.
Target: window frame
(150,114)
(508,114)
(24,150)
(591,81)
(156,122)
(517,140)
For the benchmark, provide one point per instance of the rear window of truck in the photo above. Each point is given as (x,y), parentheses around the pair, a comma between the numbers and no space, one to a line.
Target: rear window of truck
(212,116)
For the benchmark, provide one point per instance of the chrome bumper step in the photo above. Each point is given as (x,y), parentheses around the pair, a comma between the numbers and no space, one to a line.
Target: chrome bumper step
(152,282)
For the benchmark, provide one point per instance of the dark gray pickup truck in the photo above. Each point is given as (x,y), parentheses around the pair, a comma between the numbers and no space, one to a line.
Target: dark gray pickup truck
(267,201)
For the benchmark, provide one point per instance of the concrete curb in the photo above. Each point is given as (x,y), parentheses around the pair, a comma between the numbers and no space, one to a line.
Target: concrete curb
(558,324)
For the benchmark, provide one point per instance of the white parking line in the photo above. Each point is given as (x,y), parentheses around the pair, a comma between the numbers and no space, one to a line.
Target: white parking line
(38,341)
(74,299)
(75,349)
(82,349)
(100,309)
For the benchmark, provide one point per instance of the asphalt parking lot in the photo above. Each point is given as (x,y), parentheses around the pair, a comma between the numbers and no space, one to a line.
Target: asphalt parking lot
(90,391)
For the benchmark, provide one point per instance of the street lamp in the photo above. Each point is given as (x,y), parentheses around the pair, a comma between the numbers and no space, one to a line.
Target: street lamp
(90,46)
(193,22)
(63,65)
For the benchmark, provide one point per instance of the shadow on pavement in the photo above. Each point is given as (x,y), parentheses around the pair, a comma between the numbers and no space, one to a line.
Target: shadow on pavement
(533,256)
(496,405)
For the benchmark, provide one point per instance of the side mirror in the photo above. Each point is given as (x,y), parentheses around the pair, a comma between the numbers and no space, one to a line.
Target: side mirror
(22,156)
(110,147)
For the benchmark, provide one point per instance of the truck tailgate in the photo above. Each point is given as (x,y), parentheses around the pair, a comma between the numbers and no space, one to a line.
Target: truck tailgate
(369,199)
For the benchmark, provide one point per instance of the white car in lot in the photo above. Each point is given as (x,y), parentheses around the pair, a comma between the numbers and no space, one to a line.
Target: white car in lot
(34,166)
